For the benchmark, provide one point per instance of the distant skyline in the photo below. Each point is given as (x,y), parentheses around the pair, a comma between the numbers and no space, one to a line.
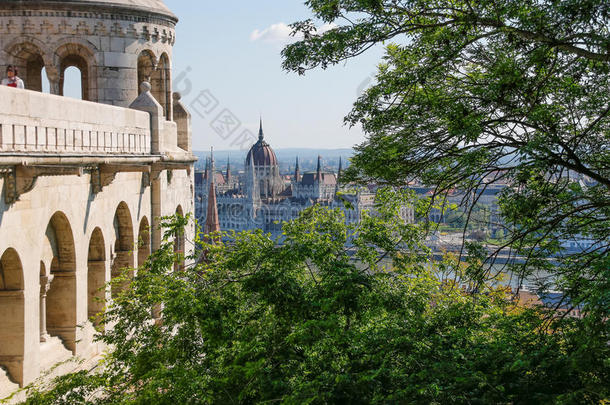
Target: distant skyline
(227,65)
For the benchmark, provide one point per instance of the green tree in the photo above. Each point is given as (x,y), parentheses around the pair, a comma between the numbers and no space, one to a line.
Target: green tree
(337,314)
(472,93)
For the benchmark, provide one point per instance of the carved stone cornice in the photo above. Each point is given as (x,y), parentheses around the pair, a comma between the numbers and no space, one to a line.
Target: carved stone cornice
(104,174)
(22,179)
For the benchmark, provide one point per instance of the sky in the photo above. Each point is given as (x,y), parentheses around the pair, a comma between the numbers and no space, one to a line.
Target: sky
(227,65)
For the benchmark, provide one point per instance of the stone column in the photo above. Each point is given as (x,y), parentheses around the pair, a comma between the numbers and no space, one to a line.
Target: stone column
(54,81)
(45,284)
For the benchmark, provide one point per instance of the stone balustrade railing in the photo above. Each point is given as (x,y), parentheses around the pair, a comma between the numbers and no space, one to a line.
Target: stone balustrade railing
(33,122)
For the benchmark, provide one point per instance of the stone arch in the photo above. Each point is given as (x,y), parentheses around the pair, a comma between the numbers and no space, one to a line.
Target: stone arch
(161,85)
(179,243)
(124,242)
(72,52)
(143,241)
(29,58)
(147,63)
(61,296)
(12,332)
(96,275)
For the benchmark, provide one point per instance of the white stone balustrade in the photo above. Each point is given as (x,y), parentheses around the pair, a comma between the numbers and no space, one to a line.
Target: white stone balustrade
(33,122)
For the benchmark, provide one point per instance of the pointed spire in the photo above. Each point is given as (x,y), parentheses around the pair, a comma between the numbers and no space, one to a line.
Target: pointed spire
(297,171)
(319,169)
(212,223)
(206,174)
(229,169)
(261,135)
(212,164)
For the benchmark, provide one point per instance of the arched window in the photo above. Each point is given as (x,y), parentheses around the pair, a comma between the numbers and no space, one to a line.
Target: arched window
(69,77)
(146,66)
(161,88)
(73,83)
(28,59)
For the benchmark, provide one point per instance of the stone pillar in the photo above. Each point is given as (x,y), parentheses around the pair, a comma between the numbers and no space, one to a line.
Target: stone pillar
(45,284)
(182,118)
(53,76)
(146,102)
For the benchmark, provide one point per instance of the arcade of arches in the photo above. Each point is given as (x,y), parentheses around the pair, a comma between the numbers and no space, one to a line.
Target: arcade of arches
(34,63)
(69,297)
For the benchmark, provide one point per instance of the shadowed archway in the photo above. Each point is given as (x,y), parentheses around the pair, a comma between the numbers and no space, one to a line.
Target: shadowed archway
(61,297)
(124,243)
(96,276)
(12,314)
(143,241)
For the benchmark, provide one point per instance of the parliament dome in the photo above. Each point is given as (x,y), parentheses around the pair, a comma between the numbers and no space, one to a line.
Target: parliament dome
(261,152)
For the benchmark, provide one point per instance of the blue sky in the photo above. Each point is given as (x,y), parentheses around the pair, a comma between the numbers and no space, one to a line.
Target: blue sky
(229,52)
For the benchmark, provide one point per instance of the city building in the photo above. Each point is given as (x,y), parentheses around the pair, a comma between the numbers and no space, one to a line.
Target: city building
(84,182)
(261,198)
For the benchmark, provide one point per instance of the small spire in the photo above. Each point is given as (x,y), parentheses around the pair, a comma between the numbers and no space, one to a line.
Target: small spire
(212,222)
(319,169)
(206,174)
(213,165)
(229,169)
(297,172)
(260,130)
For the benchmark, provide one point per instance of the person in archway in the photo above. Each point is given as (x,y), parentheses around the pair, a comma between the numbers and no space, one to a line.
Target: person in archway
(12,79)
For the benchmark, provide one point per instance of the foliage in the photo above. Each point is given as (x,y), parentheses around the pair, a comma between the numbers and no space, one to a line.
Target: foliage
(336,314)
(473,93)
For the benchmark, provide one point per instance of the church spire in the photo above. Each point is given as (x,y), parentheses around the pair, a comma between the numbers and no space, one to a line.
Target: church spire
(319,169)
(206,174)
(212,222)
(261,135)
(228,169)
(212,162)
(297,172)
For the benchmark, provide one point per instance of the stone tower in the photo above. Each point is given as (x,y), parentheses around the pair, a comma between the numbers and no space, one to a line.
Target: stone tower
(116,45)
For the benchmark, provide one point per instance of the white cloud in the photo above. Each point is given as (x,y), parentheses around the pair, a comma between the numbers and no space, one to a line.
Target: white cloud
(280,33)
